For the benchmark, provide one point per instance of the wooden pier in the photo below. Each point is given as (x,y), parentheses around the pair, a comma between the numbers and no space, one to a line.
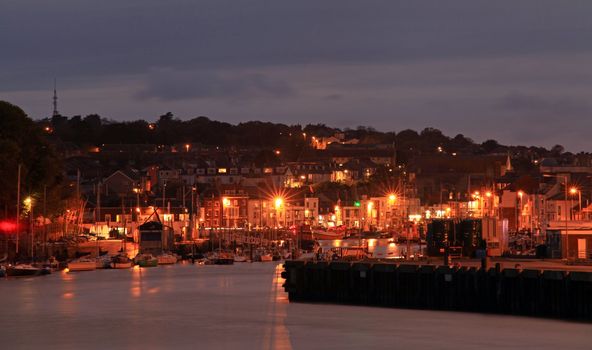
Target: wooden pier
(528,292)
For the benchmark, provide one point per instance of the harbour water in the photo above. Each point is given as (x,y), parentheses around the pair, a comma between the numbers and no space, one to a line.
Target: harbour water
(241,306)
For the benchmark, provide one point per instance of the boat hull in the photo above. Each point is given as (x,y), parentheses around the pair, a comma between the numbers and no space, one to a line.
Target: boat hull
(148,263)
(167,260)
(328,235)
(82,266)
(223,261)
(121,265)
(16,272)
(266,258)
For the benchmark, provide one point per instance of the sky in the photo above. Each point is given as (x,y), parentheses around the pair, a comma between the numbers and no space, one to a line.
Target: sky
(516,71)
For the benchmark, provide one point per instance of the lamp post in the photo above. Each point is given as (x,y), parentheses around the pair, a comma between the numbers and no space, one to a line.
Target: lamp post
(519,217)
(28,202)
(137,192)
(489,195)
(573,191)
(391,199)
(278,202)
(225,215)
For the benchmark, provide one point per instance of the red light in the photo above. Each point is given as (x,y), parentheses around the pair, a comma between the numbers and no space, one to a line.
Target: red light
(7,226)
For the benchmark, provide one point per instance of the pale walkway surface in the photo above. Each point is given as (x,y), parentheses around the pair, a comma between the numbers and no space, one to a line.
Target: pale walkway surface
(239,307)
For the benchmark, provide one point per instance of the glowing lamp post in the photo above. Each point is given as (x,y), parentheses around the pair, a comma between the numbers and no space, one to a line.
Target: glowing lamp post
(391,199)
(573,191)
(489,196)
(278,202)
(519,211)
(225,205)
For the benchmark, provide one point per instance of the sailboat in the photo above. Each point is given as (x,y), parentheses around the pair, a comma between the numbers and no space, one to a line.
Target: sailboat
(21,270)
(121,261)
(82,264)
(146,260)
(166,259)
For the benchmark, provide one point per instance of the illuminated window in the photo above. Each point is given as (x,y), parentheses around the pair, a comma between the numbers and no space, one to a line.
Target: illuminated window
(222,170)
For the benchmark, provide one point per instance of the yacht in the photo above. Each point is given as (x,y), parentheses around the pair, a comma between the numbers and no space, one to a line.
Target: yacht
(146,260)
(121,261)
(82,264)
(166,259)
(26,270)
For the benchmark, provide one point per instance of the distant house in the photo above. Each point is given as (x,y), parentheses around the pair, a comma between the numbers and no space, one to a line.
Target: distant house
(168,174)
(122,182)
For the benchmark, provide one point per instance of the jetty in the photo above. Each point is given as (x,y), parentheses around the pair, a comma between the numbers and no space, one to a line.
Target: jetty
(551,293)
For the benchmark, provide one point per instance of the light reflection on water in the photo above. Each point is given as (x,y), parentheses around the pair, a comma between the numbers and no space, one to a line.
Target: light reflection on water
(237,307)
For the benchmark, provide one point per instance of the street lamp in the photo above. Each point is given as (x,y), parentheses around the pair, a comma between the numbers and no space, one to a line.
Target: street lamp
(370,206)
(391,199)
(489,195)
(278,202)
(226,204)
(573,191)
(519,218)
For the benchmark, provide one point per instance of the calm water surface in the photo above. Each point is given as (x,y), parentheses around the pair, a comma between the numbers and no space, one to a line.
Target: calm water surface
(238,307)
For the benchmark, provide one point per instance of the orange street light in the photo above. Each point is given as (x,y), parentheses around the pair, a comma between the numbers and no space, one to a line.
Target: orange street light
(225,202)
(278,202)
(573,190)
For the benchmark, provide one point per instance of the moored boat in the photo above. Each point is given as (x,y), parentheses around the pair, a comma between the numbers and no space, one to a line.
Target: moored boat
(266,257)
(103,262)
(121,261)
(21,270)
(324,234)
(146,260)
(240,258)
(82,264)
(220,258)
(166,259)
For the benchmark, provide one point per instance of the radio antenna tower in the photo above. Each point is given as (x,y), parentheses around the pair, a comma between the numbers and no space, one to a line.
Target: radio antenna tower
(55,100)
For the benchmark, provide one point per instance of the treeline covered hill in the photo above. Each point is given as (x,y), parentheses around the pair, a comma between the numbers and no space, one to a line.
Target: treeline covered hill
(93,130)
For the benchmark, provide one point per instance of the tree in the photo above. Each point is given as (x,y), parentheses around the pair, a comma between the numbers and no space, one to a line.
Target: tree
(557,150)
(22,142)
(489,146)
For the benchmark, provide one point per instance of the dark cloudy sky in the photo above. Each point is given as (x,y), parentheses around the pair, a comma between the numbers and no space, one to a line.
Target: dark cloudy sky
(518,70)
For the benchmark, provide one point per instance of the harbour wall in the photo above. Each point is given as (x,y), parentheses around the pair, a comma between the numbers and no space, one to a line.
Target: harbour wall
(528,292)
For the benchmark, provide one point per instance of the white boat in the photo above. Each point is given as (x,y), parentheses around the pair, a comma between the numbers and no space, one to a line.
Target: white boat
(240,258)
(166,259)
(82,264)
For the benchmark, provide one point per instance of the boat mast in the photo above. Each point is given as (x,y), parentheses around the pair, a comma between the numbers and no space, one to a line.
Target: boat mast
(18,205)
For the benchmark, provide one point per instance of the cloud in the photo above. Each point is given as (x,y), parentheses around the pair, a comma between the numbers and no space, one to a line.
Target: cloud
(172,85)
(487,69)
(333,97)
(556,106)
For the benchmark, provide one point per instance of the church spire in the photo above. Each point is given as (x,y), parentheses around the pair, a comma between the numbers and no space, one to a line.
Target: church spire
(509,163)
(55,99)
